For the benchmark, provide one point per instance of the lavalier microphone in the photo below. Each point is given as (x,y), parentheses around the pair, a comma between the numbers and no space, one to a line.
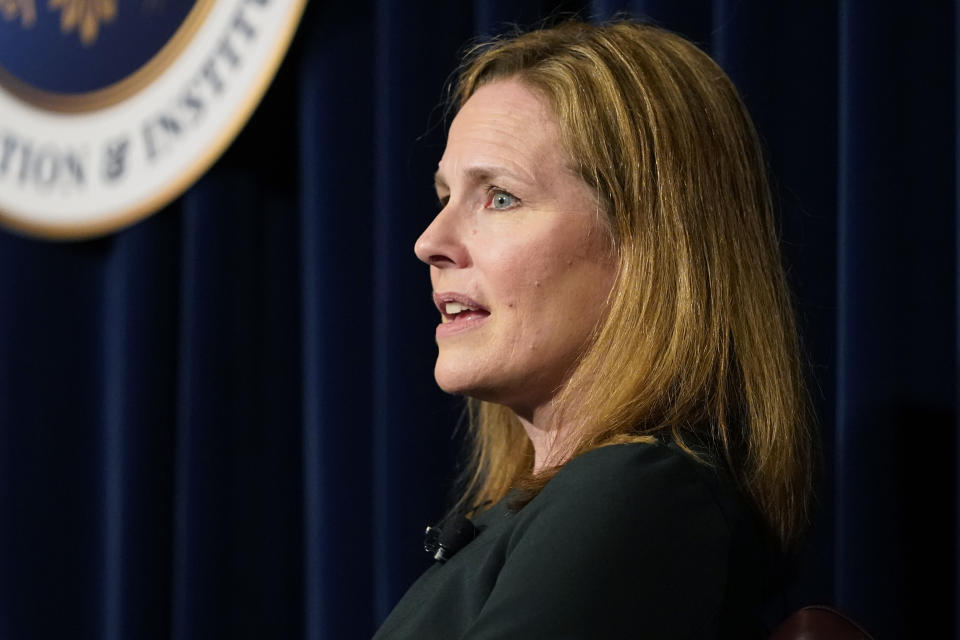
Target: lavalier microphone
(445,539)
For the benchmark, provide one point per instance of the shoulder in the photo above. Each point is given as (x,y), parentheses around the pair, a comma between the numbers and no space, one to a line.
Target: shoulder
(670,511)
(642,488)
(620,532)
(639,462)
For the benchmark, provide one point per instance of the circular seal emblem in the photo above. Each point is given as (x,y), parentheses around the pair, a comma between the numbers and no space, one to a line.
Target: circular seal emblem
(110,110)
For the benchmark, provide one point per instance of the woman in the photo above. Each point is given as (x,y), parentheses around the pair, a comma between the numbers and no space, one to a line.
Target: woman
(613,304)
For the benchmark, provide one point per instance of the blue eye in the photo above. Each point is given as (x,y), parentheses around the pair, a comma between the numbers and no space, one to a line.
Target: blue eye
(500,200)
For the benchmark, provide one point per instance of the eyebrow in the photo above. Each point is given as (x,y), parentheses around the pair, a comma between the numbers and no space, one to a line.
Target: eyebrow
(482,173)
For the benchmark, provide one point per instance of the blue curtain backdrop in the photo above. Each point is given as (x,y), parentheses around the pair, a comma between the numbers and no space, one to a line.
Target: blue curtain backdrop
(221,422)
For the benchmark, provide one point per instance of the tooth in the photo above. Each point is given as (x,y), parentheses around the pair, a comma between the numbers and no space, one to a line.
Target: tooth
(454,308)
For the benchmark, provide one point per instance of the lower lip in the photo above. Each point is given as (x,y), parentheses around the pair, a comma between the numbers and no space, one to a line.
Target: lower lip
(445,329)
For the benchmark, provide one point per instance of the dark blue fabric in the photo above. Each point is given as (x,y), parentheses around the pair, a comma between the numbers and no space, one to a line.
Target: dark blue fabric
(896,315)
(221,422)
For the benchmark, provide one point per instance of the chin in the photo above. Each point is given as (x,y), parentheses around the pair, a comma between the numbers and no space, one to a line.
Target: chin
(463,381)
(455,379)
(452,379)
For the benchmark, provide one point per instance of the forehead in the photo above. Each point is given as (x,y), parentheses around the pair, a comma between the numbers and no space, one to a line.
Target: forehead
(504,124)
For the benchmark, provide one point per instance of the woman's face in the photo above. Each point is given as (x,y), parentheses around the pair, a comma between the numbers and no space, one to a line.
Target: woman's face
(519,258)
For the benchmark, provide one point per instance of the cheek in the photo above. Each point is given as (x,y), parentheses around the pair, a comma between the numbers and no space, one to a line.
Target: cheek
(551,284)
(553,301)
(574,290)
(510,271)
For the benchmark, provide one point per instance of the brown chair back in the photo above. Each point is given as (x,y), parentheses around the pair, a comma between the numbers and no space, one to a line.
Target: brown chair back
(819,622)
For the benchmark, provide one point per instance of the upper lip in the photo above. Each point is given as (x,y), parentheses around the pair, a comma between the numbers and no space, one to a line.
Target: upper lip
(440,299)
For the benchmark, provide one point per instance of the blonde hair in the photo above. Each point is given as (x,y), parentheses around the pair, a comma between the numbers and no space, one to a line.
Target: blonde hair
(699,339)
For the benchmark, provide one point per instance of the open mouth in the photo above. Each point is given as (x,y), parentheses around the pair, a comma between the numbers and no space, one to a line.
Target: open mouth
(459,312)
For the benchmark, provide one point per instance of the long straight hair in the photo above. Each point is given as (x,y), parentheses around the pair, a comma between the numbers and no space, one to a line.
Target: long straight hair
(699,338)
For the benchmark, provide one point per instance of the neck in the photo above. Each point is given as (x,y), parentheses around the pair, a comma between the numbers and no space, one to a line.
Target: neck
(544,430)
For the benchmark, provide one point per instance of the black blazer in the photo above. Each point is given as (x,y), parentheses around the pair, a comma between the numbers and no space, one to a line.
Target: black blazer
(626,541)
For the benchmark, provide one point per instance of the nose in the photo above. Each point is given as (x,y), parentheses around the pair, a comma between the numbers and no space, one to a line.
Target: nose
(440,243)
